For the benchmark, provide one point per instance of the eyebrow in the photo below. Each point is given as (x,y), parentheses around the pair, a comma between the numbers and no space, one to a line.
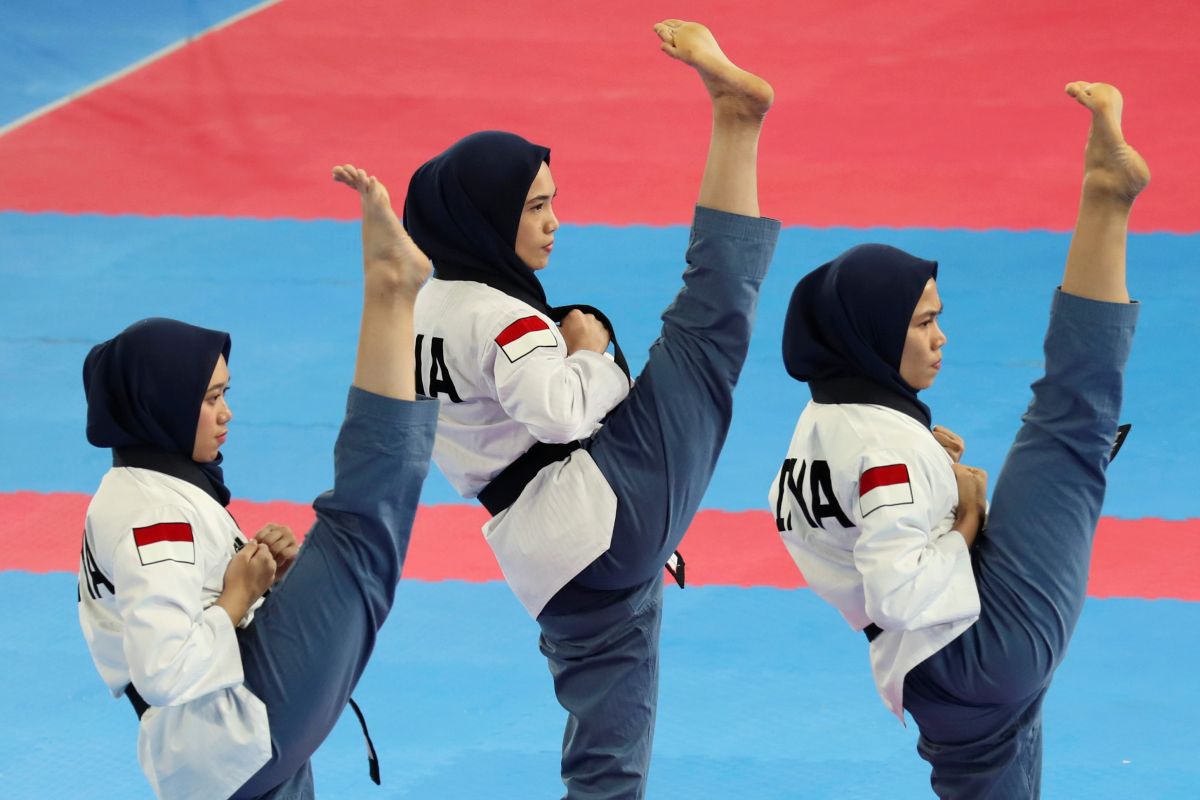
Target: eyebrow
(542,197)
(932,312)
(218,385)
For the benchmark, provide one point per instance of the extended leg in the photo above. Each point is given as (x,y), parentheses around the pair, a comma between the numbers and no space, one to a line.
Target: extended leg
(659,448)
(979,698)
(310,641)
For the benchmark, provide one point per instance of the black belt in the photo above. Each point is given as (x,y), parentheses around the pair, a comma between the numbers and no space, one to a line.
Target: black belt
(506,487)
(140,706)
(872,632)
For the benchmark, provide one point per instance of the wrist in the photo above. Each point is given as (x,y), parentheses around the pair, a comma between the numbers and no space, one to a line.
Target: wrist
(968,521)
(235,603)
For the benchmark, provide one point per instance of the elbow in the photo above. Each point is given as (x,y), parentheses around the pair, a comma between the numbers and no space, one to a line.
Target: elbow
(887,615)
(156,688)
(561,431)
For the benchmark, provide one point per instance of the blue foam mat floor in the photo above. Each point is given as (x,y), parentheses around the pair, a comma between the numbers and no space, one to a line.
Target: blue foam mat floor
(765,694)
(289,293)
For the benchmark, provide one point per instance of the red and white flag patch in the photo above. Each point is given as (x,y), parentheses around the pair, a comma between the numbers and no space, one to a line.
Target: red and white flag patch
(524,336)
(884,486)
(166,541)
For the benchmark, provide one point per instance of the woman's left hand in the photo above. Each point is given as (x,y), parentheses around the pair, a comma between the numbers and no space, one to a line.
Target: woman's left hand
(951,442)
(280,540)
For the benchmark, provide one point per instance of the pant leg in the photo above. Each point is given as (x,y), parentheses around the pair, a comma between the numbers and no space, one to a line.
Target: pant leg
(605,668)
(310,640)
(981,694)
(658,449)
(980,752)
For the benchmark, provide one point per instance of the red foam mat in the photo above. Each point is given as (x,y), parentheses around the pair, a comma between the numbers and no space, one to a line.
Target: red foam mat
(906,113)
(1146,558)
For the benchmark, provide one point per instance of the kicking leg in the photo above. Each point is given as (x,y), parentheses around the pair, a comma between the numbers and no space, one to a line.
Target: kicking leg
(983,691)
(660,446)
(740,101)
(1114,174)
(1047,499)
(310,641)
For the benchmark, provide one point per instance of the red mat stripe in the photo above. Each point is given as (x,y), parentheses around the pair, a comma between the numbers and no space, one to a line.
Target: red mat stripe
(41,533)
(901,114)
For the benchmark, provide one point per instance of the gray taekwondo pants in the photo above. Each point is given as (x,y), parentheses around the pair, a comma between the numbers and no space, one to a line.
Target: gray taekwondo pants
(657,450)
(978,701)
(310,640)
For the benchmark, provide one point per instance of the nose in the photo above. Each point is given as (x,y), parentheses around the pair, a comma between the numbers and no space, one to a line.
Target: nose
(939,339)
(226,414)
(551,221)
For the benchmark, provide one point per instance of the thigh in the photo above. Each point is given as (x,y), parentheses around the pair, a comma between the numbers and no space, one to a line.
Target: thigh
(304,652)
(658,449)
(990,752)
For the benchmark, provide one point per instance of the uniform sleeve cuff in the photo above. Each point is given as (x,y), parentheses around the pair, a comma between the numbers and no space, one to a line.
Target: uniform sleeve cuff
(361,403)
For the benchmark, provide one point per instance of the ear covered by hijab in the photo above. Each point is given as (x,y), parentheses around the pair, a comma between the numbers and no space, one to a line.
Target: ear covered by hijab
(464,207)
(144,390)
(847,323)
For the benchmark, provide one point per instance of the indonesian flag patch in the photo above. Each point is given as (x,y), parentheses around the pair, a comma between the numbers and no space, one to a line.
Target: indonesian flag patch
(524,336)
(884,486)
(166,541)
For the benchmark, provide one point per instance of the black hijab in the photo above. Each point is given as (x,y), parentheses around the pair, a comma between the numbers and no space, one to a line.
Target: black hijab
(847,323)
(464,207)
(144,390)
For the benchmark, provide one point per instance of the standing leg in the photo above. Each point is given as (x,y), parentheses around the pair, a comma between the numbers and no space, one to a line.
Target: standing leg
(659,448)
(1032,565)
(310,641)
(604,662)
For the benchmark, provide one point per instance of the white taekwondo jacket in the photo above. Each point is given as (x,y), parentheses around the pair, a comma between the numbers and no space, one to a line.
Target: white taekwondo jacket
(865,503)
(152,567)
(501,372)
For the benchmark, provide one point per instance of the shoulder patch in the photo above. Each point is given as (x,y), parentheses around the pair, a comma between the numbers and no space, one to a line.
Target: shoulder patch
(524,336)
(884,486)
(166,541)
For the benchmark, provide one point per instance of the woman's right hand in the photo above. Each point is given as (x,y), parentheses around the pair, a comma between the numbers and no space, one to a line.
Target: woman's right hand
(972,501)
(583,332)
(250,573)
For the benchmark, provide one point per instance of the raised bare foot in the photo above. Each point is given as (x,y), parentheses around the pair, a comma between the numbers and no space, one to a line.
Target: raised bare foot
(732,88)
(389,253)
(1111,167)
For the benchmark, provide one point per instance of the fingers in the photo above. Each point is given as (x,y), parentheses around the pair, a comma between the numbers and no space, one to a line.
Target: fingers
(262,559)
(279,540)
(950,441)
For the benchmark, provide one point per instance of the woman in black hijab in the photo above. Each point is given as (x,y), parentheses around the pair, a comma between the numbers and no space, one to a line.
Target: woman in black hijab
(235,690)
(586,515)
(965,632)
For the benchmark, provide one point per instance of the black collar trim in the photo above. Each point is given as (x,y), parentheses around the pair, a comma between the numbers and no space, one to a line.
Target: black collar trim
(861,390)
(173,464)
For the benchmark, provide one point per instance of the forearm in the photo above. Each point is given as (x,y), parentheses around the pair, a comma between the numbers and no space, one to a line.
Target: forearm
(968,522)
(236,602)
